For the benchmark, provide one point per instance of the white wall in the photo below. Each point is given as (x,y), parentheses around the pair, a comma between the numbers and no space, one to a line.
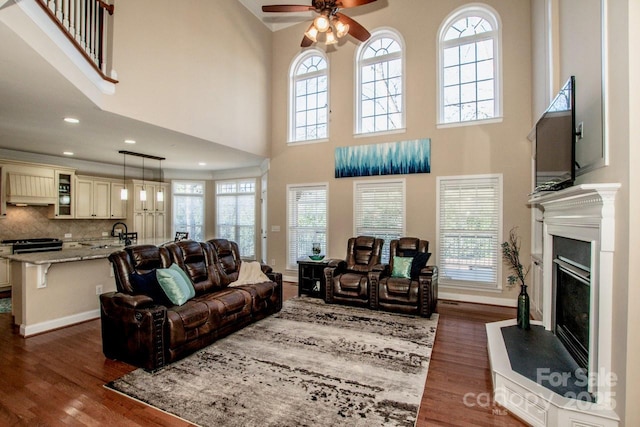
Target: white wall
(202,68)
(579,55)
(477,149)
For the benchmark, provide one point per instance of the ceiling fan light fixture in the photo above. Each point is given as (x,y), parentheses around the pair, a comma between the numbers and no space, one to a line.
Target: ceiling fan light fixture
(342,29)
(328,20)
(312,33)
(322,23)
(330,38)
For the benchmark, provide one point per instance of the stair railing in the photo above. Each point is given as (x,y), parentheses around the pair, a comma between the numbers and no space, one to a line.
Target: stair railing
(88,25)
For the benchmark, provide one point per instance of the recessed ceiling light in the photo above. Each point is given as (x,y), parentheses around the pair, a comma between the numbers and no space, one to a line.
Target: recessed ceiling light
(129,141)
(68,153)
(71,120)
(202,164)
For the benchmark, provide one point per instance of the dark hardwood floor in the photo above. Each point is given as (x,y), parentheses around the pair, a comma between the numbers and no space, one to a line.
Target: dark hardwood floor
(57,378)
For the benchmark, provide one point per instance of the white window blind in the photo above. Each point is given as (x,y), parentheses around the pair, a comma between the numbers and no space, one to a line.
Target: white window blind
(469,224)
(379,211)
(306,221)
(236,214)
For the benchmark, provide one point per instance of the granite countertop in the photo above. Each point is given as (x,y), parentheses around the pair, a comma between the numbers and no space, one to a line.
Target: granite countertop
(67,255)
(91,249)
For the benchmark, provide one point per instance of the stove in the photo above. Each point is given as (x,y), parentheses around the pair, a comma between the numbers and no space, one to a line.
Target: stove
(25,246)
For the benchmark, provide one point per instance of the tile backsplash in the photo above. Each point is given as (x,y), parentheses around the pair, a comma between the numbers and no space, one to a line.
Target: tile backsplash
(33,221)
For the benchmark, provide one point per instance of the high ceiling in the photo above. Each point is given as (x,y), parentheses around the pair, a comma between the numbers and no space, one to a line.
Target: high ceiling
(277,21)
(35,97)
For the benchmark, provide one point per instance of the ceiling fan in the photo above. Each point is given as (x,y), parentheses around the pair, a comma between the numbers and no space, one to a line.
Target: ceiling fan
(329,21)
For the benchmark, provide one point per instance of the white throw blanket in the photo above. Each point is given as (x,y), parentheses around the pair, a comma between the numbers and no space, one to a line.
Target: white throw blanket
(250,273)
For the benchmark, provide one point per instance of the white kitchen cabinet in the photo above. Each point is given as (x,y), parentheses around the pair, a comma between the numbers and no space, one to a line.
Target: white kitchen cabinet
(160,225)
(3,203)
(118,206)
(5,267)
(93,198)
(149,216)
(150,225)
(140,205)
(151,204)
(65,187)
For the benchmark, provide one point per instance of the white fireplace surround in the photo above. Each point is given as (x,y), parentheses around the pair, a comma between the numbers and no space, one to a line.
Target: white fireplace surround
(583,212)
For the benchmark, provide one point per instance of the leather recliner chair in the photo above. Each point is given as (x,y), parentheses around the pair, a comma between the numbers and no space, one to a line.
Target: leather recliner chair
(415,294)
(347,281)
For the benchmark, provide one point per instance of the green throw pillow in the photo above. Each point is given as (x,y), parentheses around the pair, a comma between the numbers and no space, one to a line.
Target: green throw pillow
(184,275)
(175,284)
(402,267)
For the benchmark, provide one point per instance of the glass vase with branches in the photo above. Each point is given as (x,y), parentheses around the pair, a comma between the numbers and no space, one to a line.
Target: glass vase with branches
(511,257)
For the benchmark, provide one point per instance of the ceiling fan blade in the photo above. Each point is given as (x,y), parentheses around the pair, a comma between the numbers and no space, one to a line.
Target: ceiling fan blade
(355,29)
(286,8)
(352,3)
(306,42)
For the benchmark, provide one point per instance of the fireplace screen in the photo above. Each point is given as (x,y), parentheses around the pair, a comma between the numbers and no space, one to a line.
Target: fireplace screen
(572,309)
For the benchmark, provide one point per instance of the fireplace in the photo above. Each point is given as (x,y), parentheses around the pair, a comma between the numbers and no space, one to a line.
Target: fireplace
(578,241)
(572,285)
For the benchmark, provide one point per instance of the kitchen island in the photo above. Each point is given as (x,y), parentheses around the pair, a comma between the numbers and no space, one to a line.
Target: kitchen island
(54,289)
(51,290)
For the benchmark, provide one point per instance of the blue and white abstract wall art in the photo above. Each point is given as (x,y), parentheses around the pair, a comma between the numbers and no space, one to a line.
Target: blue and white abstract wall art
(389,158)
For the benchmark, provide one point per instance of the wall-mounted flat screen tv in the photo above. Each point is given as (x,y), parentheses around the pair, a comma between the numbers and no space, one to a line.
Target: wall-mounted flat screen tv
(555,142)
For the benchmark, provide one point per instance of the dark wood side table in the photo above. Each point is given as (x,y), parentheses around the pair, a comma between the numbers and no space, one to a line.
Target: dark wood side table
(311,277)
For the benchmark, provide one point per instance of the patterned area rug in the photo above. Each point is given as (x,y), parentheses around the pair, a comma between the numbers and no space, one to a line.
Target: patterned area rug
(312,364)
(5,305)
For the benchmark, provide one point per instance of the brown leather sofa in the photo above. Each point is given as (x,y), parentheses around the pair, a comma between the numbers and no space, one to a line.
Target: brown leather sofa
(412,291)
(142,327)
(347,281)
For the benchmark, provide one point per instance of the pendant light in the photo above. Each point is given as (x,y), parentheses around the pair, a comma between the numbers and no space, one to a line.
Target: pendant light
(160,193)
(142,196)
(143,192)
(124,194)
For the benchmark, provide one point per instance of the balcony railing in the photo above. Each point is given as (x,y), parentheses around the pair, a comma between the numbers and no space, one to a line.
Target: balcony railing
(87,24)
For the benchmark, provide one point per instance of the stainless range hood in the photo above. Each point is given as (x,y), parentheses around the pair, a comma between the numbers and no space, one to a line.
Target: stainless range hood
(30,189)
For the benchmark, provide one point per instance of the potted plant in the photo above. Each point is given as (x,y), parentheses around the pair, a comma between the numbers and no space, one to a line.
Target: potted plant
(511,257)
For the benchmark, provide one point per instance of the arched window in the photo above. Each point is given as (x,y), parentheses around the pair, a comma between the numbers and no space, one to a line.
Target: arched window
(469,64)
(380,83)
(309,102)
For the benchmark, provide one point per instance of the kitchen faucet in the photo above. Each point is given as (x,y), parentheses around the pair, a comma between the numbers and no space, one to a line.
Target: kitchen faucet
(122,236)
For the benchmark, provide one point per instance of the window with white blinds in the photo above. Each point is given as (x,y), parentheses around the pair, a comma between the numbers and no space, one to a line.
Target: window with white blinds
(469,230)
(306,221)
(236,214)
(379,210)
(188,208)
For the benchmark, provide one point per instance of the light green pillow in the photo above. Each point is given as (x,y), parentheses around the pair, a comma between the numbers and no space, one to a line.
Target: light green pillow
(184,275)
(175,284)
(402,267)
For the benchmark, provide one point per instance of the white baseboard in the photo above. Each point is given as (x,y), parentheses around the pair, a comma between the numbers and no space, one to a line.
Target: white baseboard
(38,328)
(479,299)
(511,302)
(290,279)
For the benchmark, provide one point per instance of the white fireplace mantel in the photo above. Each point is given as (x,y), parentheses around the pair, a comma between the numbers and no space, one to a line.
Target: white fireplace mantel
(583,212)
